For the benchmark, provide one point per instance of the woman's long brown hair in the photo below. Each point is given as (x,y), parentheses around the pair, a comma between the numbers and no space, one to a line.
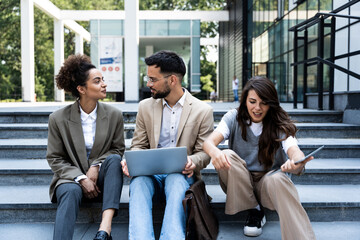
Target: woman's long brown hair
(275,122)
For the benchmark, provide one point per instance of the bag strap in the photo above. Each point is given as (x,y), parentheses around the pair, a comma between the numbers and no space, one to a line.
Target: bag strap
(189,214)
(201,198)
(185,202)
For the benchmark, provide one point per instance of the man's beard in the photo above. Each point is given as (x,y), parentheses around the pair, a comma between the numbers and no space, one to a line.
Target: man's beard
(162,94)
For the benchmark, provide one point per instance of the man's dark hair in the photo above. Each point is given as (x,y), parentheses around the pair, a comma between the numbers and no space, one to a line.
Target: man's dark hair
(169,62)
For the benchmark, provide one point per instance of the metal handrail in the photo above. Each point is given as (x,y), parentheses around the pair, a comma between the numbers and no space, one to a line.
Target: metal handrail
(332,13)
(346,5)
(327,62)
(347,55)
(313,60)
(333,65)
(319,18)
(315,19)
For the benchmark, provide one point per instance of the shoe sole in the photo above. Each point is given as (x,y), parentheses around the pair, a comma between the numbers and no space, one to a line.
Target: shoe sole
(254,231)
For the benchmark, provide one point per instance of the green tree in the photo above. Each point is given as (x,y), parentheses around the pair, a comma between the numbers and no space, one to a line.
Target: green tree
(10,40)
(181,4)
(208,73)
(207,84)
(44,41)
(10,55)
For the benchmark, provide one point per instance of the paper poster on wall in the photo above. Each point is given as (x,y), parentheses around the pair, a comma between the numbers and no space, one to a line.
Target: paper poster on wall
(111,62)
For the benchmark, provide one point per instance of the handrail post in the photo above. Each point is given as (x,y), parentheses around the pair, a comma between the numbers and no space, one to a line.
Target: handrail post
(305,102)
(320,65)
(332,59)
(295,68)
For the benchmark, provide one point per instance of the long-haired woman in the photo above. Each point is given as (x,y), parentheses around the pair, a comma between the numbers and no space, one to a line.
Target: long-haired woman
(259,134)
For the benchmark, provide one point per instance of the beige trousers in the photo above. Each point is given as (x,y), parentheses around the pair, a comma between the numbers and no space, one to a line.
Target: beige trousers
(245,190)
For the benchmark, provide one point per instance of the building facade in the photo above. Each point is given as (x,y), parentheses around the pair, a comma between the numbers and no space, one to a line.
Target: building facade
(181,36)
(257,41)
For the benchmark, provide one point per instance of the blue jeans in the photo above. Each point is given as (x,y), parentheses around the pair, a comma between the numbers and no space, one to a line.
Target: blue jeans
(236,96)
(143,190)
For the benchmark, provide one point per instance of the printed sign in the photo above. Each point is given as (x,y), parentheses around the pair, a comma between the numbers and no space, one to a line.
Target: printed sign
(111,62)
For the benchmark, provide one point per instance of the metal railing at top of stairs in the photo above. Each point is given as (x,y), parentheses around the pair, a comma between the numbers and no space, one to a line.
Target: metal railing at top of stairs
(319,18)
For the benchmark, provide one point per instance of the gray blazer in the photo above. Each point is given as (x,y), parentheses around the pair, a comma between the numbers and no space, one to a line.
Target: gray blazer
(66,152)
(196,123)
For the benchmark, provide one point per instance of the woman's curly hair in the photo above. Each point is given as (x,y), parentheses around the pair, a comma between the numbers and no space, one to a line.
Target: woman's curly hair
(74,73)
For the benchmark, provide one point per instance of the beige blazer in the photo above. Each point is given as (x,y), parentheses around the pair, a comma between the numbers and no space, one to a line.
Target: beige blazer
(66,152)
(196,123)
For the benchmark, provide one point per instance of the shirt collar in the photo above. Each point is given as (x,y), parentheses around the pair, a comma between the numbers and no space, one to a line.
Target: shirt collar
(85,116)
(249,121)
(181,100)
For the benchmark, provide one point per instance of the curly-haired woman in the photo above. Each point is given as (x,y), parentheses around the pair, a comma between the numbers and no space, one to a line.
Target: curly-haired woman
(260,132)
(85,147)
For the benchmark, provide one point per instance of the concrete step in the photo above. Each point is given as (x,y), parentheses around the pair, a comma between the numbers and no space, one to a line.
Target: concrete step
(330,171)
(318,130)
(334,148)
(28,148)
(318,172)
(227,231)
(23,130)
(25,115)
(311,116)
(314,130)
(302,115)
(14,172)
(40,130)
(324,203)
(328,130)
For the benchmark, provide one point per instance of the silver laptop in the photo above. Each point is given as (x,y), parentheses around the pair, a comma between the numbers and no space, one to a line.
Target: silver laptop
(156,161)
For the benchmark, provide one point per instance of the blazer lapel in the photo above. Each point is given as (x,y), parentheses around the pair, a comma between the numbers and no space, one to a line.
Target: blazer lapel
(102,126)
(157,118)
(184,115)
(77,135)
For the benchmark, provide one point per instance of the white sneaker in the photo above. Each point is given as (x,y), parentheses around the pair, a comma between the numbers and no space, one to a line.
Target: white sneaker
(254,223)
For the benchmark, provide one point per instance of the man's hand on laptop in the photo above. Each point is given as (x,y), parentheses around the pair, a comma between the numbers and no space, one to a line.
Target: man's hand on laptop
(125,168)
(189,167)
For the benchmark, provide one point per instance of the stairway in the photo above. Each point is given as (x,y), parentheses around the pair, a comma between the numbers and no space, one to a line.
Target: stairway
(329,191)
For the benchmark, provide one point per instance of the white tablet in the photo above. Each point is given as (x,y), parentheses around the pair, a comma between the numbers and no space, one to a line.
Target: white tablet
(309,155)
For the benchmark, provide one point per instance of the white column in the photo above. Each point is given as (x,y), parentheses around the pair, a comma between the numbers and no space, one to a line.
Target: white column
(131,50)
(218,71)
(27,51)
(59,95)
(79,43)
(149,50)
